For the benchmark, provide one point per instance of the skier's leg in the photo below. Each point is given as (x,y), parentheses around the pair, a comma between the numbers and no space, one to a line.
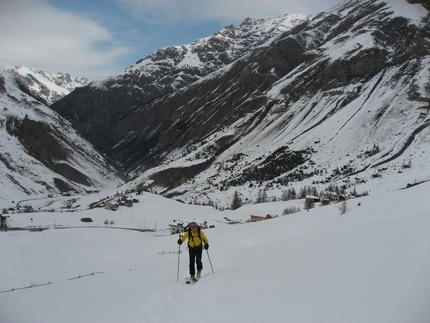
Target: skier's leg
(192,261)
(199,259)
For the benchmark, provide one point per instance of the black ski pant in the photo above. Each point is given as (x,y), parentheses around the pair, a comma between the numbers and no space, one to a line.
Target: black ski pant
(195,258)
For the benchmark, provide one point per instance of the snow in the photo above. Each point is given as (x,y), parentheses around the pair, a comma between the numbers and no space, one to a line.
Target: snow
(353,42)
(370,264)
(414,13)
(22,70)
(50,86)
(351,45)
(190,59)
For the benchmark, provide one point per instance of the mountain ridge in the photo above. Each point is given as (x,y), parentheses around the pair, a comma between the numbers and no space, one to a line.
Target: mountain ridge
(50,87)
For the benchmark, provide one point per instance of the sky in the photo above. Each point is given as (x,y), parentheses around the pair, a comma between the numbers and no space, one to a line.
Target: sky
(100,38)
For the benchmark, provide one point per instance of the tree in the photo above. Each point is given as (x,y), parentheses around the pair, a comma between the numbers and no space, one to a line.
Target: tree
(262,197)
(293,194)
(140,188)
(237,202)
(314,191)
(302,193)
(285,195)
(309,203)
(343,207)
(354,191)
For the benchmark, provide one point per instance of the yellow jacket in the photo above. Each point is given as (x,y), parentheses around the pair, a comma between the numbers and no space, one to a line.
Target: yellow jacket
(195,241)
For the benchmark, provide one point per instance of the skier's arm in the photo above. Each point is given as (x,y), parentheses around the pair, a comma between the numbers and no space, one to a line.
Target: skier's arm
(185,236)
(202,234)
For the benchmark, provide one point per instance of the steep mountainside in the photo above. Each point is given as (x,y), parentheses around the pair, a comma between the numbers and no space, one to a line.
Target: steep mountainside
(342,98)
(48,86)
(40,153)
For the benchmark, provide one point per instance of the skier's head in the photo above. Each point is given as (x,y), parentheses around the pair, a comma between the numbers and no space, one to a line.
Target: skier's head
(193,225)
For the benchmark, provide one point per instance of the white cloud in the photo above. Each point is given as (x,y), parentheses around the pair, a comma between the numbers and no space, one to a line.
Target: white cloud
(227,11)
(34,33)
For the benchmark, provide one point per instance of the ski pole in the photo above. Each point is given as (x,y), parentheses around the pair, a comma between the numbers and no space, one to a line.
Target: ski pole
(179,256)
(210,261)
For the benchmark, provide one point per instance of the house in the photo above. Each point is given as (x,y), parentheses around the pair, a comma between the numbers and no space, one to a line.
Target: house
(113,206)
(311,199)
(327,197)
(344,197)
(176,228)
(255,218)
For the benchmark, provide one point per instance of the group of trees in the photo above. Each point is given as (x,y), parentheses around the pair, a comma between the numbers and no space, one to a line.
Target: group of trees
(291,194)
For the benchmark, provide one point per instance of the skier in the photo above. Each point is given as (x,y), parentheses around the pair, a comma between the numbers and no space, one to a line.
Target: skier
(196,237)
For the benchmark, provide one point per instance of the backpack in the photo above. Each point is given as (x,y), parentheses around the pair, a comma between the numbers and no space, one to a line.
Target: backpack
(190,235)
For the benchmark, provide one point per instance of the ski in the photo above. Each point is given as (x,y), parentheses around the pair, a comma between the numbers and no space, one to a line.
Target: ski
(191,281)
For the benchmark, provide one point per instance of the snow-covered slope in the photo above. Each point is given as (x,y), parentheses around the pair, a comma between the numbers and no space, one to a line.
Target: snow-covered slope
(40,153)
(370,264)
(49,86)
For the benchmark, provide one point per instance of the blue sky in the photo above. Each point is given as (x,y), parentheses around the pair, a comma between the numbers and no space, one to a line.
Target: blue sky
(100,38)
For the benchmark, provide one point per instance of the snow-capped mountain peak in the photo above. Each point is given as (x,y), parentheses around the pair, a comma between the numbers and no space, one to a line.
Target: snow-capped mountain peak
(47,85)
(224,47)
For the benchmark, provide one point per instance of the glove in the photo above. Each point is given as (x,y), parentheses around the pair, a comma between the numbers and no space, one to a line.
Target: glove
(206,246)
(179,241)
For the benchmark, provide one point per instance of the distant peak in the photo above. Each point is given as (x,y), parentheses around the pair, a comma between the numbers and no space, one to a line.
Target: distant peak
(248,21)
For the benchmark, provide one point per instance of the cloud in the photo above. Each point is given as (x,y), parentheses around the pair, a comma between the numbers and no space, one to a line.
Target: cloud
(36,34)
(226,11)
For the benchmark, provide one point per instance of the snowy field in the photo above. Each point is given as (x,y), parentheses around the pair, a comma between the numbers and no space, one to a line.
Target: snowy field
(371,264)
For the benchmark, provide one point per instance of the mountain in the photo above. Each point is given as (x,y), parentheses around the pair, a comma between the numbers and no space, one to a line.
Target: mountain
(103,112)
(48,86)
(177,66)
(40,153)
(341,99)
